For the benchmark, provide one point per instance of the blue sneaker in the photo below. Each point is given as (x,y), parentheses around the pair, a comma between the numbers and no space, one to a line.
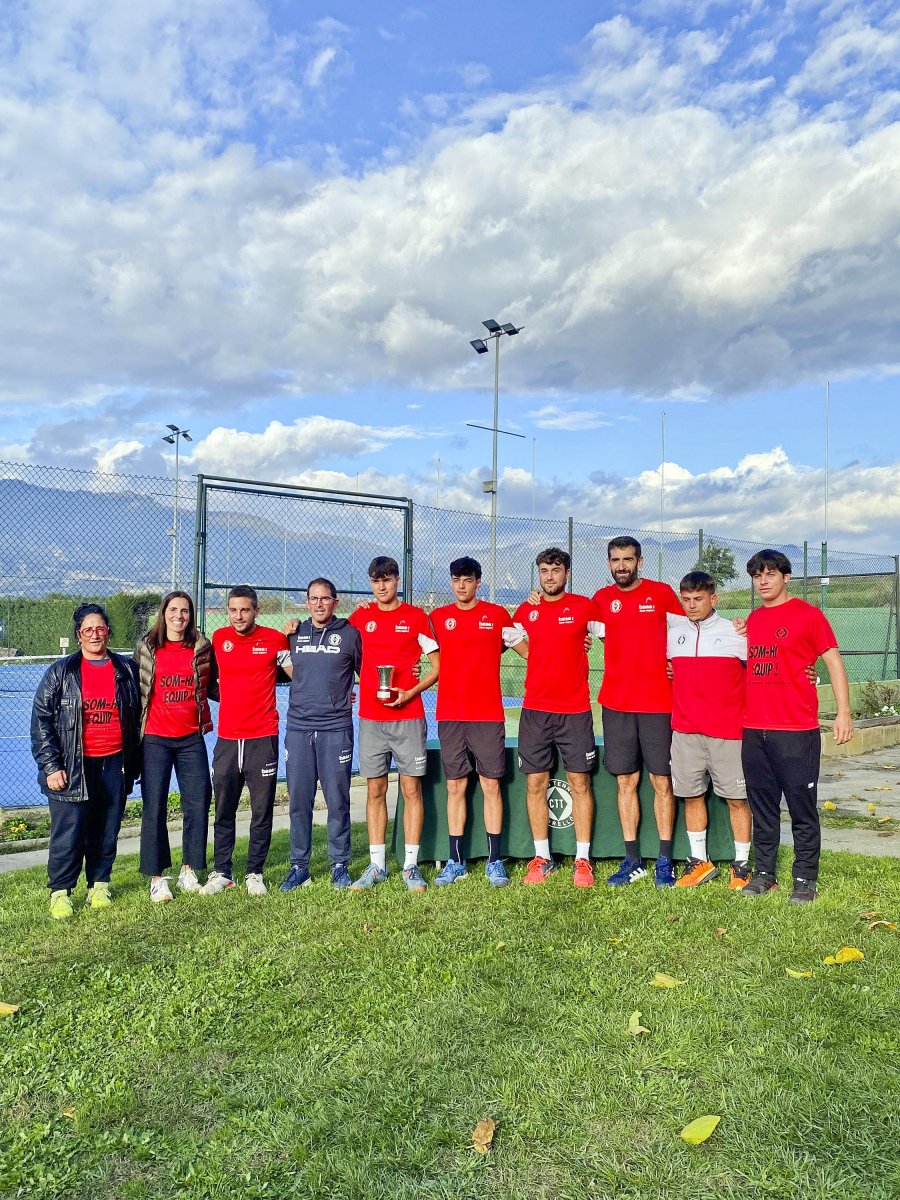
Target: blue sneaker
(296,877)
(495,873)
(664,873)
(371,875)
(340,876)
(452,871)
(630,870)
(413,879)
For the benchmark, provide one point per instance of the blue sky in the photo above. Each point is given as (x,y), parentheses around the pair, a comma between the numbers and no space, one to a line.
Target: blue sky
(280,224)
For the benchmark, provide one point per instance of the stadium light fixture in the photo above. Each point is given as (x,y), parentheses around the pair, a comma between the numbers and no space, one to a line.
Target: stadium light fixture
(174,439)
(495,332)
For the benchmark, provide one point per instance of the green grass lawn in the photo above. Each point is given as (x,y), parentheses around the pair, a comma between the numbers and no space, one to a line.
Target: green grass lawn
(343,1046)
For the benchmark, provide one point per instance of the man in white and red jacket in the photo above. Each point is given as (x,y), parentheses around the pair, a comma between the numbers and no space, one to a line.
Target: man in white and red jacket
(708,660)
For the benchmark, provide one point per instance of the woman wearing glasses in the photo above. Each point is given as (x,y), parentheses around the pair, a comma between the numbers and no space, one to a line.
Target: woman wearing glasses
(174,664)
(85,741)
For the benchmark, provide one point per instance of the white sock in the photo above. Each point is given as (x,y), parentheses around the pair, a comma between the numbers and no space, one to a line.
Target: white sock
(741,851)
(542,848)
(698,844)
(412,857)
(376,855)
(582,849)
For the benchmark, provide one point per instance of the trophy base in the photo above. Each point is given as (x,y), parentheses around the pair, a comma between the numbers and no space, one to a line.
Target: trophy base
(387,695)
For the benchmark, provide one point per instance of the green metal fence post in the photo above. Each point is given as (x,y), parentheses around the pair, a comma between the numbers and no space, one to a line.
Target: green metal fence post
(700,548)
(897,612)
(199,581)
(571,544)
(806,570)
(823,583)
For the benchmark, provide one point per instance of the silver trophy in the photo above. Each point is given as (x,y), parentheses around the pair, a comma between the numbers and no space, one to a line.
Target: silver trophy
(386,691)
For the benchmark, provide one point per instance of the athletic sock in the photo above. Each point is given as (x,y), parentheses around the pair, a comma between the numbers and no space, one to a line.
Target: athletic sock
(376,855)
(412,857)
(741,852)
(698,844)
(631,850)
(493,847)
(455,847)
(542,848)
(665,847)
(582,849)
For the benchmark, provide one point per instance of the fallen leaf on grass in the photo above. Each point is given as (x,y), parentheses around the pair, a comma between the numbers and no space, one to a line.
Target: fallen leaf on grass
(868,916)
(7,1010)
(673,917)
(635,1028)
(661,979)
(799,974)
(829,807)
(882,925)
(69,1112)
(500,946)
(699,1129)
(483,1134)
(616,941)
(846,954)
(884,820)
(721,931)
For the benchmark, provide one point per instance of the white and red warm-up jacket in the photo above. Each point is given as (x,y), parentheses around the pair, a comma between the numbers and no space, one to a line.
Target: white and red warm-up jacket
(708,674)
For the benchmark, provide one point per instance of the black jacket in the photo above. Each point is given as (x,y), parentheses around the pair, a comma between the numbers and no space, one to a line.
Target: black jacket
(56,724)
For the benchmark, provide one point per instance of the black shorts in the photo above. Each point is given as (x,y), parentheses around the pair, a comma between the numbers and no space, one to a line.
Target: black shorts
(632,738)
(543,733)
(465,744)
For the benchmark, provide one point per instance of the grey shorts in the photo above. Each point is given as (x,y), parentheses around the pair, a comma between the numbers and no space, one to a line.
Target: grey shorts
(697,759)
(402,741)
(468,743)
(632,738)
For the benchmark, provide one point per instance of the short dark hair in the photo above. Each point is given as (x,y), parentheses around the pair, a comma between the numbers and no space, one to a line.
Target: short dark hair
(697,581)
(244,591)
(465,566)
(554,557)
(623,542)
(156,636)
(768,558)
(322,582)
(383,567)
(90,610)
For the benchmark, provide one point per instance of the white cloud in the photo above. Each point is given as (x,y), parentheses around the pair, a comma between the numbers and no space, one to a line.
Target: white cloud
(552,416)
(315,71)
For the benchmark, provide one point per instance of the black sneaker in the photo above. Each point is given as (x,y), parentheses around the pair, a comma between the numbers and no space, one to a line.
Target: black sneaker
(761,883)
(804,891)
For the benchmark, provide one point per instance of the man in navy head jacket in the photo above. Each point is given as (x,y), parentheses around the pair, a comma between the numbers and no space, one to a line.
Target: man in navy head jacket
(326,653)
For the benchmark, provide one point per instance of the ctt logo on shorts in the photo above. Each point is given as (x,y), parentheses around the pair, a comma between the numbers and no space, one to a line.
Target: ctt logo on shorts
(559,804)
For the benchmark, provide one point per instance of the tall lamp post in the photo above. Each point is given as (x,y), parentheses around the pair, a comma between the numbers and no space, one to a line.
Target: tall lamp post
(174,439)
(495,332)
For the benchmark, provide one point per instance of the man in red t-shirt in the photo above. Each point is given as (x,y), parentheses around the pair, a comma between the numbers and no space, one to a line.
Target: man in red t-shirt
(392,716)
(472,635)
(636,695)
(782,744)
(556,710)
(247,657)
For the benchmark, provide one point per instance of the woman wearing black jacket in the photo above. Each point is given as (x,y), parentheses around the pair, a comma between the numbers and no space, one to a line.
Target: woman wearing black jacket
(85,741)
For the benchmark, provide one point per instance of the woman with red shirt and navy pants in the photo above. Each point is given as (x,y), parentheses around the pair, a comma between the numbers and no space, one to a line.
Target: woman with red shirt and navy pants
(175,665)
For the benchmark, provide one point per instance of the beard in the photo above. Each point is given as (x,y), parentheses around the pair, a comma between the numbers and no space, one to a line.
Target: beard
(625,579)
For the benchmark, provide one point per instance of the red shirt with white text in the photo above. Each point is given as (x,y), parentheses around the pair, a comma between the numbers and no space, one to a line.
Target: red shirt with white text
(471,642)
(248,666)
(398,638)
(634,652)
(556,675)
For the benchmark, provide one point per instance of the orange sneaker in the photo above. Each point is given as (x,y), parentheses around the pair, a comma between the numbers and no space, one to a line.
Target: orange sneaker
(698,871)
(538,869)
(739,877)
(583,875)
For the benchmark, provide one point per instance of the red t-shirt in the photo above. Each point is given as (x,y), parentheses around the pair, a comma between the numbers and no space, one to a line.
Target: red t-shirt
(173,703)
(101,729)
(248,665)
(634,652)
(396,638)
(556,675)
(471,642)
(782,641)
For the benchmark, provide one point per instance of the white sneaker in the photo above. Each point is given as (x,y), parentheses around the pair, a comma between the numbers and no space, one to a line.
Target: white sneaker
(255,886)
(216,883)
(160,890)
(188,881)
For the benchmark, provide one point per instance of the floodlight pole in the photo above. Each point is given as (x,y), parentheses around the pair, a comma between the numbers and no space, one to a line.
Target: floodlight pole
(174,439)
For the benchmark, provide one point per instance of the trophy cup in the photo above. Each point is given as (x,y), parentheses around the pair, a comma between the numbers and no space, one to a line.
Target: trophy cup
(386,692)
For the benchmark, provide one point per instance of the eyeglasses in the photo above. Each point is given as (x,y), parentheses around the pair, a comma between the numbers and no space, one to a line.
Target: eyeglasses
(94,631)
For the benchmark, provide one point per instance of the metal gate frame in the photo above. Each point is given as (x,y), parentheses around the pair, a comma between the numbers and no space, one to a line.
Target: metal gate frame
(261,487)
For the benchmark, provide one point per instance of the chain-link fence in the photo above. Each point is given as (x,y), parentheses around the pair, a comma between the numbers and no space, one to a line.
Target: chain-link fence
(72,536)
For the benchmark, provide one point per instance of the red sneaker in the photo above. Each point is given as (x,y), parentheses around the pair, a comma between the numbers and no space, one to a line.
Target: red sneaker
(583,875)
(538,869)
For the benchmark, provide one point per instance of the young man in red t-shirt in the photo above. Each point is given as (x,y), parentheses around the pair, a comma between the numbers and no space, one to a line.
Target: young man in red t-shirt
(247,657)
(392,726)
(636,695)
(472,635)
(782,745)
(556,710)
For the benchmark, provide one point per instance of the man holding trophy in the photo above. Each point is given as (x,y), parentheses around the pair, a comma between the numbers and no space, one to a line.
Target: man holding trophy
(391,716)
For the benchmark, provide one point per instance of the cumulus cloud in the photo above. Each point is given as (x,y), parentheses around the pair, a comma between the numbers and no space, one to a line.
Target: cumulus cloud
(554,416)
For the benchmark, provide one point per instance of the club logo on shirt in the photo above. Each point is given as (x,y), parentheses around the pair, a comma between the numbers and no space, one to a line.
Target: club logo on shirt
(334,639)
(533,615)
(227,646)
(370,627)
(616,606)
(559,804)
(683,639)
(781,632)
(450,623)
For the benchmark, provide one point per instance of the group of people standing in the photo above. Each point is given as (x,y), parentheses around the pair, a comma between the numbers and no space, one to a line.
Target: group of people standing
(745,716)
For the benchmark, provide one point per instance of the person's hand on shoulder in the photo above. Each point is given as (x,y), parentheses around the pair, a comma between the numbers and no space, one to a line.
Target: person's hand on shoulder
(740,626)
(290,627)
(534,596)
